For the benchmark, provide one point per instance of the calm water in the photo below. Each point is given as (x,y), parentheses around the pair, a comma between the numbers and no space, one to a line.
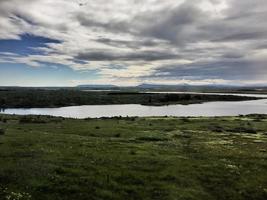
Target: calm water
(210,93)
(205,109)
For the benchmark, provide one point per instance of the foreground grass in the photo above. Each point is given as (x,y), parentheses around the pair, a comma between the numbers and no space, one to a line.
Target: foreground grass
(133,158)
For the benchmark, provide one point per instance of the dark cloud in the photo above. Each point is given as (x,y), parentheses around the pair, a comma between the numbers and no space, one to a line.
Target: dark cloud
(261,46)
(176,24)
(110,26)
(171,24)
(139,56)
(233,55)
(134,44)
(227,69)
(242,36)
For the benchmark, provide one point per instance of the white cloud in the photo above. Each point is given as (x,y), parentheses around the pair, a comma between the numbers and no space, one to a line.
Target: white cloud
(182,32)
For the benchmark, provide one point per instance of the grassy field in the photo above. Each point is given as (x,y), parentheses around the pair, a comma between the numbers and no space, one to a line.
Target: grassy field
(46,158)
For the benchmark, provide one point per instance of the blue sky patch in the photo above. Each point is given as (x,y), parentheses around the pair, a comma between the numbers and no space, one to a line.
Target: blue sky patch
(25,45)
(47,75)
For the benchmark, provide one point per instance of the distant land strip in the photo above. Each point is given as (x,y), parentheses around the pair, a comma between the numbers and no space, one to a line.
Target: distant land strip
(29,98)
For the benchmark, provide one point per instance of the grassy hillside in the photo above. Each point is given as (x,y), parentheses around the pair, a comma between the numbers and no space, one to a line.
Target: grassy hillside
(133,158)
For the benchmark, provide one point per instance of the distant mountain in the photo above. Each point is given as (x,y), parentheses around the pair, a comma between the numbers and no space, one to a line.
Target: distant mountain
(178,87)
(152,86)
(97,86)
(159,86)
(185,87)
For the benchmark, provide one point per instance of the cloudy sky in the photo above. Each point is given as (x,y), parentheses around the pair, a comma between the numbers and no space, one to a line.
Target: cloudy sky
(128,42)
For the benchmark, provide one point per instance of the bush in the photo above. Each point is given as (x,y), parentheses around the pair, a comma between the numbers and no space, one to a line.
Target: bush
(2,131)
(132,152)
(216,128)
(184,119)
(152,139)
(2,119)
(25,120)
(117,135)
(243,130)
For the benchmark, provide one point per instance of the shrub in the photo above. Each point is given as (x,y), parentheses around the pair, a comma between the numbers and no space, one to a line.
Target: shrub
(184,119)
(169,129)
(2,131)
(216,128)
(117,135)
(25,120)
(4,120)
(243,130)
(132,152)
(152,139)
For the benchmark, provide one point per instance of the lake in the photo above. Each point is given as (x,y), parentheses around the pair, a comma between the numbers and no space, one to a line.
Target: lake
(204,109)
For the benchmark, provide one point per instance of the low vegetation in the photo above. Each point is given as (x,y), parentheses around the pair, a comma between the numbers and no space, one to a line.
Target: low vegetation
(117,158)
(2,131)
(28,98)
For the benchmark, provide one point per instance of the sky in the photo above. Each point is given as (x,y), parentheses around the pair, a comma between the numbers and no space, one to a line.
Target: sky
(130,42)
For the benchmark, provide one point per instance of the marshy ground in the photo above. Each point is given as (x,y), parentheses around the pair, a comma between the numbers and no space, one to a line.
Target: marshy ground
(133,158)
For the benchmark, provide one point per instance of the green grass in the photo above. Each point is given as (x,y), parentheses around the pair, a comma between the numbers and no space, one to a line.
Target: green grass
(133,158)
